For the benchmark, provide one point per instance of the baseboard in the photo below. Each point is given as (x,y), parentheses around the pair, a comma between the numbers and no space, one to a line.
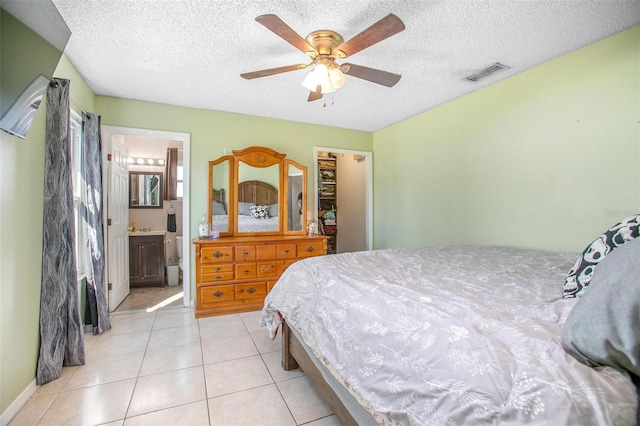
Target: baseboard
(18,403)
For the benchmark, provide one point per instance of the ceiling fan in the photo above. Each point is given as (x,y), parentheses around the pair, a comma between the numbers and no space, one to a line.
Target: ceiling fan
(324,47)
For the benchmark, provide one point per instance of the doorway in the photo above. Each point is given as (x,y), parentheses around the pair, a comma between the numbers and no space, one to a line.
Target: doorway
(351,184)
(141,143)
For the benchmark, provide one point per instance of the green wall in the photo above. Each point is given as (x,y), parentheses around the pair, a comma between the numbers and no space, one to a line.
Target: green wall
(547,159)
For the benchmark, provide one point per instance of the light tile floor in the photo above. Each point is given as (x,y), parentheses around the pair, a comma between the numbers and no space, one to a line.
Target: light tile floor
(168,368)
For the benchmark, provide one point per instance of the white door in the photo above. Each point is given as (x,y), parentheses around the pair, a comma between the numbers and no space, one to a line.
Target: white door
(118,213)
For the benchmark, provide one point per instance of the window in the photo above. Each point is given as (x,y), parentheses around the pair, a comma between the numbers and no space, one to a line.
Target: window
(180,179)
(78,190)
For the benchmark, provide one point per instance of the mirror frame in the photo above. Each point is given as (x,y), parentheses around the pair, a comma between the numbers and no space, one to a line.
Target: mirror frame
(261,157)
(161,196)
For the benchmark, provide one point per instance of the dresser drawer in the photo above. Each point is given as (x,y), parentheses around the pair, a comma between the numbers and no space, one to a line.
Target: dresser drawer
(267,269)
(217,293)
(266,251)
(310,248)
(213,273)
(245,270)
(244,253)
(251,290)
(283,265)
(216,254)
(287,251)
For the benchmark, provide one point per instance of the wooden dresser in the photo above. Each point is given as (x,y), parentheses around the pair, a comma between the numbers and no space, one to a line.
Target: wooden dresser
(234,274)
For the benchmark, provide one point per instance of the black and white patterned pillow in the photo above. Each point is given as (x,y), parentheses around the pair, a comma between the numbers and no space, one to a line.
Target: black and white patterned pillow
(580,274)
(260,212)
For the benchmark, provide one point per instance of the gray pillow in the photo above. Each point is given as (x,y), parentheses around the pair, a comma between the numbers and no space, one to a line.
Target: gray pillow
(218,208)
(244,209)
(273,210)
(603,327)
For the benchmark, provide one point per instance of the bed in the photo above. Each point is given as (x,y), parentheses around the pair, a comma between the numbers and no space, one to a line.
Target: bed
(442,335)
(261,196)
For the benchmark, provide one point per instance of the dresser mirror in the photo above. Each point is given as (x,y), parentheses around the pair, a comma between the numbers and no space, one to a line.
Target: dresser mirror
(295,185)
(145,190)
(219,194)
(257,192)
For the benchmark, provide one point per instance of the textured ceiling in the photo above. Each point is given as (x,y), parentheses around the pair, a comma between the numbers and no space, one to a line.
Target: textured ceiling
(192,52)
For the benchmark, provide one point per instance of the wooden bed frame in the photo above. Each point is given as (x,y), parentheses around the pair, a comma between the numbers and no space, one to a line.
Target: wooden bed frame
(294,356)
(257,192)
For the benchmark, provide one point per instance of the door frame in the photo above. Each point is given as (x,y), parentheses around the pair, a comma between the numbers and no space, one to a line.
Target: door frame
(368,186)
(185,138)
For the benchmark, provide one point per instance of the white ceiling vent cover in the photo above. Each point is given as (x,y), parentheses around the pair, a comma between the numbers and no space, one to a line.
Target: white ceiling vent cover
(487,72)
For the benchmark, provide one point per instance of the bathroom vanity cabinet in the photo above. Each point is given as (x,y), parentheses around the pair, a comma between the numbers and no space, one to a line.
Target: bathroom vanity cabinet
(146,261)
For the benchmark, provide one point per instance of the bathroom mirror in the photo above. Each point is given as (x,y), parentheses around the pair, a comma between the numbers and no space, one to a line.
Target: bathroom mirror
(219,194)
(260,190)
(145,190)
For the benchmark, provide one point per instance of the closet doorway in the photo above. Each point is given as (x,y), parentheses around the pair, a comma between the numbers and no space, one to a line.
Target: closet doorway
(343,183)
(152,144)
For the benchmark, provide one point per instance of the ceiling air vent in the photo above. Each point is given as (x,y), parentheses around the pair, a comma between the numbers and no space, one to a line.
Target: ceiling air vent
(487,72)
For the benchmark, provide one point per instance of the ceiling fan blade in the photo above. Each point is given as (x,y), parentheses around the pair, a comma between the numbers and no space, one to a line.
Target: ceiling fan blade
(373,75)
(314,96)
(384,28)
(278,26)
(271,71)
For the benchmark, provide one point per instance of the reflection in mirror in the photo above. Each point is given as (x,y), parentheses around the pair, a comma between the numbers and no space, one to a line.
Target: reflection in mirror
(219,198)
(258,209)
(295,201)
(145,190)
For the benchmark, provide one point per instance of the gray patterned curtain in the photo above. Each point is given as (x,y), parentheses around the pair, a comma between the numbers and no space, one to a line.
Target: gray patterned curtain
(62,341)
(92,213)
(171,175)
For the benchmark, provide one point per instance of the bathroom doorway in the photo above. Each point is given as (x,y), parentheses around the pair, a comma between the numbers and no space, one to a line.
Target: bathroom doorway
(166,223)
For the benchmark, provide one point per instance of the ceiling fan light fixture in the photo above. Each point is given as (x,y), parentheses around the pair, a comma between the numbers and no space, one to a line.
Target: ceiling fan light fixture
(319,76)
(329,78)
(337,77)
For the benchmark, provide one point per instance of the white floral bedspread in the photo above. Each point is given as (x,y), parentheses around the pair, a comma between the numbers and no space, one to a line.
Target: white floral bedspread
(449,336)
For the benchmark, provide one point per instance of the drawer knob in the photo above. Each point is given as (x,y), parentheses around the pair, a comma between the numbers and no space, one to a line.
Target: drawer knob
(246,271)
(218,293)
(310,249)
(217,254)
(217,269)
(286,252)
(245,253)
(251,290)
(217,277)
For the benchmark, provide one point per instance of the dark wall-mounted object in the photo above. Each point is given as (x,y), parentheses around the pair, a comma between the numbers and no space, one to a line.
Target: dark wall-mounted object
(33,36)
